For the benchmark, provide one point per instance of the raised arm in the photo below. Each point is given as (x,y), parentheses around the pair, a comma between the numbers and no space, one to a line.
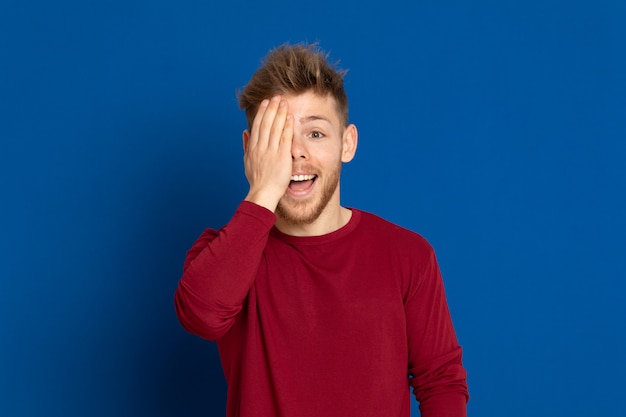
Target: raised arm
(221,266)
(219,270)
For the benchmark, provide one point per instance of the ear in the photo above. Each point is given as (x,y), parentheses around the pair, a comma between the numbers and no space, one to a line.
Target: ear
(245,136)
(350,141)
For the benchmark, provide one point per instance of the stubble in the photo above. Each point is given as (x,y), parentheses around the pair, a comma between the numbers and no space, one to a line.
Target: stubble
(298,213)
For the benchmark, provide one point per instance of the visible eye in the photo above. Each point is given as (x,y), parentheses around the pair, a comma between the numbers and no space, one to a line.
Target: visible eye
(316,134)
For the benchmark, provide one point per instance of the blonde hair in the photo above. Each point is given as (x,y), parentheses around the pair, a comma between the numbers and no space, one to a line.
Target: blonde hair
(294,69)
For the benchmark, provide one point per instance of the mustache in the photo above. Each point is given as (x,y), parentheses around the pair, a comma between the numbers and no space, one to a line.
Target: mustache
(303,168)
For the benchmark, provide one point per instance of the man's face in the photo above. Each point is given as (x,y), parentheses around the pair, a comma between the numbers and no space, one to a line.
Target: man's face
(320,145)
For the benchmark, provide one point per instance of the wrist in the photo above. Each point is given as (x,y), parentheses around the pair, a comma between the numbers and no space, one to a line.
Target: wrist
(263,200)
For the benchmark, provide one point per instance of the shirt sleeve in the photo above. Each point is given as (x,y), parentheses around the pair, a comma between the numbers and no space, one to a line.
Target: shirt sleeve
(219,270)
(435,366)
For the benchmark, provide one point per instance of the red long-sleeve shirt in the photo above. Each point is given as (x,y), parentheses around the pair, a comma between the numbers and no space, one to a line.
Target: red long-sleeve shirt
(334,325)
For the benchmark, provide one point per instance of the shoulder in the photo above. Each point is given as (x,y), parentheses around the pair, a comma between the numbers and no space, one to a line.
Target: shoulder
(404,254)
(391,234)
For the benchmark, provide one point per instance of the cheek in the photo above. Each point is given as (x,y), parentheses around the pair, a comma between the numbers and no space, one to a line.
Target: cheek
(325,151)
(331,157)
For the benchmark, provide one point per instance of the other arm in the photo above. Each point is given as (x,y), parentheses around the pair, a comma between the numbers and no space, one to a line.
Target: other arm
(438,377)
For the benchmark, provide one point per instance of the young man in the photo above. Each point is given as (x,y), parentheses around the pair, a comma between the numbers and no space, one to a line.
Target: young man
(318,310)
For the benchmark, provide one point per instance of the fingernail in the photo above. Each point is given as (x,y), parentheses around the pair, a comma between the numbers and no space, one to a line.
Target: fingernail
(265,102)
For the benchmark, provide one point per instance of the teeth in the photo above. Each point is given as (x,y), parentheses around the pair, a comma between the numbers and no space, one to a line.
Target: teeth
(302,177)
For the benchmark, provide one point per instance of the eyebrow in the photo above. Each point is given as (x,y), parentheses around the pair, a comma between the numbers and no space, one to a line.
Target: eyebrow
(313,118)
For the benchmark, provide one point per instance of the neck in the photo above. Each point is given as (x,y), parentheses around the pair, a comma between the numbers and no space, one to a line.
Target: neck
(331,219)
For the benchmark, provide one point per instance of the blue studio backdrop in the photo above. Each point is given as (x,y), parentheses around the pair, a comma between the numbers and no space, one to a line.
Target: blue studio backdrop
(496,129)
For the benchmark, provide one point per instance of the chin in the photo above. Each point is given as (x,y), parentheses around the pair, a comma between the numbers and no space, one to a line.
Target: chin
(299,213)
(304,212)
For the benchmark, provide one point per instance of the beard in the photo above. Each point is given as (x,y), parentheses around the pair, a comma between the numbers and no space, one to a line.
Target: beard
(298,213)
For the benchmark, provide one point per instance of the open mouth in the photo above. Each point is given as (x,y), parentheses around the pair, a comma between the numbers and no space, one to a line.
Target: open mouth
(301,183)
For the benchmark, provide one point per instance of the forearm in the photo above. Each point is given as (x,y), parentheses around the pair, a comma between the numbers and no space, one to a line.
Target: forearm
(440,386)
(445,405)
(219,270)
(435,357)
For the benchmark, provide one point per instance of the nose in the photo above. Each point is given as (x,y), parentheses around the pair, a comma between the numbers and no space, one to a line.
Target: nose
(298,148)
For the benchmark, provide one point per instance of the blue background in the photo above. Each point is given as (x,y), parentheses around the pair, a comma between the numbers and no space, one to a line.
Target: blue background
(496,129)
